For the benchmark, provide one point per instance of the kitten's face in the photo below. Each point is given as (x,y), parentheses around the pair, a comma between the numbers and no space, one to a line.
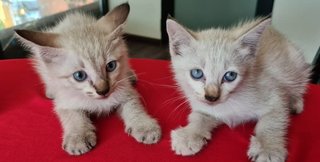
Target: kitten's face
(89,58)
(209,65)
(208,70)
(95,69)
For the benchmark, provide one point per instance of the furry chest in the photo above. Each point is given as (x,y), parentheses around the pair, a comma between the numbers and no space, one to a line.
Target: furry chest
(88,104)
(231,113)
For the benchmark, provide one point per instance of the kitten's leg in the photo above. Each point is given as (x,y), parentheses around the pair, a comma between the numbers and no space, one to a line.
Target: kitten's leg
(132,77)
(138,123)
(269,144)
(190,139)
(78,132)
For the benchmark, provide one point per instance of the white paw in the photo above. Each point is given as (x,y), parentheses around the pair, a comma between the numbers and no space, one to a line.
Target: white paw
(146,131)
(77,144)
(185,141)
(259,153)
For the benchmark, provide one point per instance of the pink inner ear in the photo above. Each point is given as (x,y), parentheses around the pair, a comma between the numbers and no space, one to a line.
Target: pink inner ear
(43,45)
(178,33)
(251,38)
(178,36)
(114,18)
(116,33)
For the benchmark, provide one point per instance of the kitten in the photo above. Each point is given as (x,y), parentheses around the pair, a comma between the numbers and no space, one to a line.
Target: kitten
(231,76)
(83,63)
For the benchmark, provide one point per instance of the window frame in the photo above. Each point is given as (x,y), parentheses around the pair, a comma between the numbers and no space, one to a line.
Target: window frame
(7,35)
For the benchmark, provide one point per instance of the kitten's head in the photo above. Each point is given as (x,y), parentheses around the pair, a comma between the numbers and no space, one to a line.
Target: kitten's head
(209,65)
(89,58)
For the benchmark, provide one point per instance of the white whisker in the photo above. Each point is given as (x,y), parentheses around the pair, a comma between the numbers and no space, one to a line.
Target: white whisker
(157,84)
(178,113)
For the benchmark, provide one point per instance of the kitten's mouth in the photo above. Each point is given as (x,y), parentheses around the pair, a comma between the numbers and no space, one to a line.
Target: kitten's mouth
(210,102)
(102,97)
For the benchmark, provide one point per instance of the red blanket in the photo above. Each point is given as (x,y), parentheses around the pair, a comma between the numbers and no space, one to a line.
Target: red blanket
(30,131)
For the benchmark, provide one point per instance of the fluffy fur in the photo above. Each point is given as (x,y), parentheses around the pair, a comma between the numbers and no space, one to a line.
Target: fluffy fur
(80,42)
(271,80)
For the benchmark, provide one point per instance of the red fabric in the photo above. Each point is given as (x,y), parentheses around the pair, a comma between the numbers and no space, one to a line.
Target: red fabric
(30,131)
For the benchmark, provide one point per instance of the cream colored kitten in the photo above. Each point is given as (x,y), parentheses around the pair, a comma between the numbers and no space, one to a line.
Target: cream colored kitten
(83,63)
(231,76)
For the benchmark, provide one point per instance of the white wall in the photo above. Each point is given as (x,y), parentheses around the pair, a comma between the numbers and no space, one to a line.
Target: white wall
(299,20)
(144,18)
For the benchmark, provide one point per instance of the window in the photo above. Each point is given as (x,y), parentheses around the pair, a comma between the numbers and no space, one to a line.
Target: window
(36,14)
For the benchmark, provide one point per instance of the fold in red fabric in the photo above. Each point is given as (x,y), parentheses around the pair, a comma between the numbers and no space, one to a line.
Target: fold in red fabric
(30,130)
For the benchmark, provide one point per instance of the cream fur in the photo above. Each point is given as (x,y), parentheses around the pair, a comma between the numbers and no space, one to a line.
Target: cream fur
(80,42)
(272,78)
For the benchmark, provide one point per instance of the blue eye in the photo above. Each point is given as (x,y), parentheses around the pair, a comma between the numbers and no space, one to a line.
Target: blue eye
(196,74)
(80,76)
(230,76)
(111,66)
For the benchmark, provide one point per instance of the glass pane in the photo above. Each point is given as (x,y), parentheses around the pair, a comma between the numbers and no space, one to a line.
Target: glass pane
(16,12)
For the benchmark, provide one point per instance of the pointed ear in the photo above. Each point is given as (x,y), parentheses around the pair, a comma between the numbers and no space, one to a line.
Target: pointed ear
(43,45)
(250,39)
(178,37)
(38,38)
(115,17)
(116,33)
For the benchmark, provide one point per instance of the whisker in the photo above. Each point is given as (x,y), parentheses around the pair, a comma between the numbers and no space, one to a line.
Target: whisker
(143,101)
(169,76)
(175,111)
(157,84)
(168,103)
(139,74)
(129,76)
(123,79)
(172,100)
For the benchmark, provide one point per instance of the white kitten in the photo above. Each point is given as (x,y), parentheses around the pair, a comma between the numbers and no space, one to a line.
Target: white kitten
(83,63)
(248,72)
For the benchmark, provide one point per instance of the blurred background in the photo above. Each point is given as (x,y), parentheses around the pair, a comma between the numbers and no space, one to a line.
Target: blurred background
(145,32)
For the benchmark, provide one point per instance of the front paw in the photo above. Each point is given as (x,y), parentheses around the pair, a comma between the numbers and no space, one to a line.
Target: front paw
(77,143)
(185,141)
(145,130)
(262,153)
